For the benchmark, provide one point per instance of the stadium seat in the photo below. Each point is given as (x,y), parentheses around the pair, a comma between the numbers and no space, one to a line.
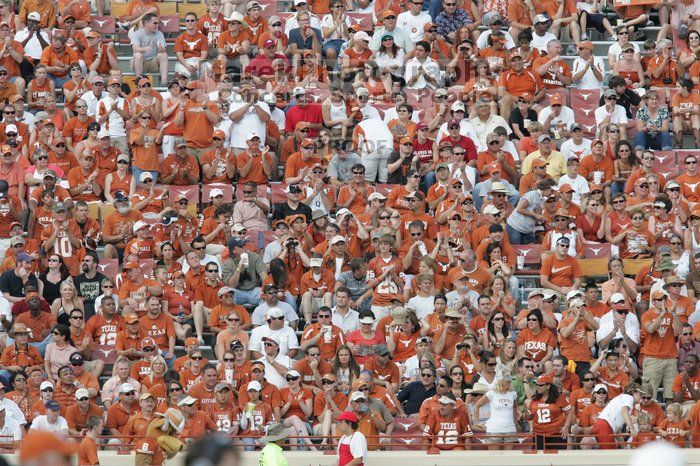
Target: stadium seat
(118,10)
(183,8)
(561,91)
(632,266)
(167,9)
(190,192)
(584,104)
(531,252)
(277,194)
(407,432)
(419,98)
(105,25)
(363,19)
(109,268)
(169,24)
(105,353)
(597,251)
(594,267)
(268,7)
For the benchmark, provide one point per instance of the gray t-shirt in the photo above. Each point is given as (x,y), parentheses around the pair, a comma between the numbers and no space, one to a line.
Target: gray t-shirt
(523,223)
(141,38)
(251,276)
(357,287)
(340,168)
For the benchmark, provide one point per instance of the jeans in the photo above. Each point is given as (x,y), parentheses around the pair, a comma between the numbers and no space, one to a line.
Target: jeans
(617,187)
(40,345)
(250,297)
(656,141)
(428,181)
(517,237)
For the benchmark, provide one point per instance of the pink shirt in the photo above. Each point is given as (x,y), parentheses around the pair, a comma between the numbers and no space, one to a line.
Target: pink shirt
(57,358)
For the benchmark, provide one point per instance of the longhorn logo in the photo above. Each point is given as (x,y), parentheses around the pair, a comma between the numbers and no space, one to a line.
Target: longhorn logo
(316,97)
(525,252)
(689,185)
(103,267)
(665,175)
(263,6)
(102,23)
(585,96)
(408,441)
(356,20)
(184,193)
(595,250)
(406,426)
(191,44)
(165,21)
(661,158)
(587,111)
(589,128)
(105,352)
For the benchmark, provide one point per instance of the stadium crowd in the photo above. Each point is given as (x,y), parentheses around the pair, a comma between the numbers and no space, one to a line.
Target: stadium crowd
(284,216)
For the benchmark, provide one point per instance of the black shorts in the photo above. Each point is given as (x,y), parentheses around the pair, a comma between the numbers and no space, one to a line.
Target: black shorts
(594,20)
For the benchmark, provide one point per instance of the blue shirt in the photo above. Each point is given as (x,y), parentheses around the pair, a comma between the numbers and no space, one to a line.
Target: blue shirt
(450,23)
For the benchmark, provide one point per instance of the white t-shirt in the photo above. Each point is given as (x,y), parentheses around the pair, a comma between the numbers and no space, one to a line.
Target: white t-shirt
(588,81)
(579,184)
(285,336)
(423,306)
(41,424)
(539,42)
(328,22)
(571,149)
(413,24)
(618,116)
(271,374)
(248,122)
(566,117)
(358,445)
(11,429)
(465,129)
(612,413)
(501,420)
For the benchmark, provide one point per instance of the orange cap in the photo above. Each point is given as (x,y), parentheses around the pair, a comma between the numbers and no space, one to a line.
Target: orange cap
(37,444)
(555,99)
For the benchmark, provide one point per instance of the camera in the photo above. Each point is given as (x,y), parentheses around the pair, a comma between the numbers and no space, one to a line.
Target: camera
(668,81)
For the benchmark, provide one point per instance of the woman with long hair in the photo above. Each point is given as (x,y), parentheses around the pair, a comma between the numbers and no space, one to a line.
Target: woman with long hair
(401,344)
(618,218)
(58,351)
(297,409)
(158,369)
(174,394)
(481,85)
(493,261)
(402,126)
(587,416)
(487,374)
(34,175)
(178,302)
(590,223)
(20,393)
(524,49)
(501,425)
(345,368)
(67,301)
(53,276)
(376,81)
(233,332)
(281,277)
(506,361)
(629,67)
(459,385)
(390,58)
(76,86)
(496,333)
(625,162)
(91,142)
(548,410)
(679,256)
(120,180)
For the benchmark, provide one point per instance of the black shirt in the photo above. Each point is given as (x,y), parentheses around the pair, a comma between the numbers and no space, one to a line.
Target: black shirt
(284,210)
(517,118)
(89,290)
(12,284)
(414,395)
(399,175)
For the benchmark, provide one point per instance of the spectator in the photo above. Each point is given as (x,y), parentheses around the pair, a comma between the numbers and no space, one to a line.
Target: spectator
(148,46)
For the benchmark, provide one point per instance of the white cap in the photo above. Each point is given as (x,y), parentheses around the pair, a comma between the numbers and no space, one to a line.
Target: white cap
(298,91)
(270,98)
(337,239)
(104,133)
(316,262)
(491,209)
(140,224)
(444,399)
(34,15)
(251,135)
(342,211)
(238,227)
(45,384)
(187,401)
(367,320)
(145,176)
(11,128)
(617,298)
(254,385)
(457,106)
(376,195)
(361,91)
(297,2)
(599,386)
(293,373)
(361,35)
(223,290)
(548,294)
(123,157)
(81,393)
(126,387)
(275,312)
(358,396)
(573,294)
(216,192)
(235,16)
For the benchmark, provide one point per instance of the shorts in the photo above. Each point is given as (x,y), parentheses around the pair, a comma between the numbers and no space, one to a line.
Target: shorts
(595,20)
(151,65)
(501,437)
(604,435)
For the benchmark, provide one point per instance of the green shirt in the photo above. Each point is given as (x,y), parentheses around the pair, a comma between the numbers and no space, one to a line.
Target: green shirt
(272,455)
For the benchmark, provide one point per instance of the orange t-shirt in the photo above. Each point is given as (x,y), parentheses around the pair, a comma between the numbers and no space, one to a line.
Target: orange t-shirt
(561,272)
(256,174)
(384,292)
(191,46)
(116,221)
(615,383)
(77,129)
(662,343)
(548,418)
(87,453)
(102,331)
(198,130)
(673,431)
(295,408)
(549,78)
(575,346)
(679,385)
(448,432)
(220,174)
(160,329)
(76,177)
(535,346)
(146,154)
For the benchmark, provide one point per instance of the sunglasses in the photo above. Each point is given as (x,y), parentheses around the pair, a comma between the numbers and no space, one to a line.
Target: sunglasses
(84,398)
(175,389)
(131,393)
(327,382)
(213,270)
(47,389)
(148,349)
(588,379)
(229,360)
(427,374)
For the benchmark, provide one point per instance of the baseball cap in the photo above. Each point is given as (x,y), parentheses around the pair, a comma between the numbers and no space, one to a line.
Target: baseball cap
(254,385)
(126,387)
(81,393)
(52,405)
(348,416)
